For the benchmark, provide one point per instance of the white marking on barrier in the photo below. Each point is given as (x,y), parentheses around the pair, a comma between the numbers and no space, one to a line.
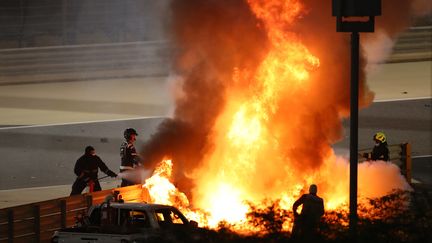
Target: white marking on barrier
(28,189)
(421,156)
(84,122)
(403,99)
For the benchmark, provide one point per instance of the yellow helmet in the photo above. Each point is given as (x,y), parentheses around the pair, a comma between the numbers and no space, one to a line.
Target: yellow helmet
(380,136)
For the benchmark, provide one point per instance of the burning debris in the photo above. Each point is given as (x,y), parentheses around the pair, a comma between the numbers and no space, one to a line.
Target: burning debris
(160,188)
(263,88)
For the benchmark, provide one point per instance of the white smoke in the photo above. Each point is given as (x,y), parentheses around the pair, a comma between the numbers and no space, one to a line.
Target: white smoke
(377,49)
(136,176)
(379,178)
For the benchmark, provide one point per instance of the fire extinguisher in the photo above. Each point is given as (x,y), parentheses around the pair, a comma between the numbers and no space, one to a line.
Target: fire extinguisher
(91,186)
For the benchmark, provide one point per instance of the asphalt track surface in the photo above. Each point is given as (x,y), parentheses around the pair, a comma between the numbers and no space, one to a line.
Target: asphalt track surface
(38,156)
(45,155)
(402,121)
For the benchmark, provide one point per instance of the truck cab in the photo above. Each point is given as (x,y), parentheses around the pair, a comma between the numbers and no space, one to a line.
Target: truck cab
(131,222)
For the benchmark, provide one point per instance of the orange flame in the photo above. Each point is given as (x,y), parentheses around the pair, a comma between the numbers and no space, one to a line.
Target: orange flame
(254,137)
(243,135)
(160,188)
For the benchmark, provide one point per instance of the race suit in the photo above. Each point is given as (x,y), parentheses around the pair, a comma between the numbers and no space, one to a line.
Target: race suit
(129,160)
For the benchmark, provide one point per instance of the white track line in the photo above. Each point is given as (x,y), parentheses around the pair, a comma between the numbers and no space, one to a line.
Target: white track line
(153,117)
(84,122)
(34,188)
(55,186)
(421,156)
(403,99)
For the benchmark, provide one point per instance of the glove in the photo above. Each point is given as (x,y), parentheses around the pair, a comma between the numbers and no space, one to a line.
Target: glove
(111,174)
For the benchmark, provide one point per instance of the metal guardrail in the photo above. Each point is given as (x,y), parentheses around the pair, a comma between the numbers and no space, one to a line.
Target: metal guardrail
(400,155)
(84,62)
(413,45)
(28,23)
(36,222)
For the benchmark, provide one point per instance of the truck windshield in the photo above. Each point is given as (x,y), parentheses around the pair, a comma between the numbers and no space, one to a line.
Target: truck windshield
(168,217)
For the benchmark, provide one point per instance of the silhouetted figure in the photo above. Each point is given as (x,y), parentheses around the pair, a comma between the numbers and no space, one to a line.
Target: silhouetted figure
(86,168)
(129,157)
(380,150)
(306,223)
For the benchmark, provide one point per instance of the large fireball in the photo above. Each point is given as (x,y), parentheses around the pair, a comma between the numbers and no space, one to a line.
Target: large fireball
(259,108)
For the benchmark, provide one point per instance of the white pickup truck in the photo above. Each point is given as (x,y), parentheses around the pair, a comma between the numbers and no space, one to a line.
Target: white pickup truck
(132,222)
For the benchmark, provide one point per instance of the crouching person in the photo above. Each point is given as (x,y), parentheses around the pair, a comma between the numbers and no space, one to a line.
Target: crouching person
(306,223)
(86,169)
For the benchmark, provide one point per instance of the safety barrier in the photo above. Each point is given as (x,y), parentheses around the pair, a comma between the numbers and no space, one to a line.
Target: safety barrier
(400,155)
(76,22)
(84,62)
(413,45)
(36,222)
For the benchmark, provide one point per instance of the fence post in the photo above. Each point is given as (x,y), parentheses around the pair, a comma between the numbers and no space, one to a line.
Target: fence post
(89,201)
(36,215)
(10,225)
(408,162)
(63,214)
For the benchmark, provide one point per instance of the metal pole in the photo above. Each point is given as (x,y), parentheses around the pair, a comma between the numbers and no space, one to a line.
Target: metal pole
(354,133)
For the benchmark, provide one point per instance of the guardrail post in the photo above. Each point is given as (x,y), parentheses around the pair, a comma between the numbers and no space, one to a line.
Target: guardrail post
(89,201)
(408,162)
(63,214)
(36,215)
(10,214)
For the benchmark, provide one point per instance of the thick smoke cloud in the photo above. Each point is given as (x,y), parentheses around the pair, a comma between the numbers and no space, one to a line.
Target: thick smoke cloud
(212,37)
